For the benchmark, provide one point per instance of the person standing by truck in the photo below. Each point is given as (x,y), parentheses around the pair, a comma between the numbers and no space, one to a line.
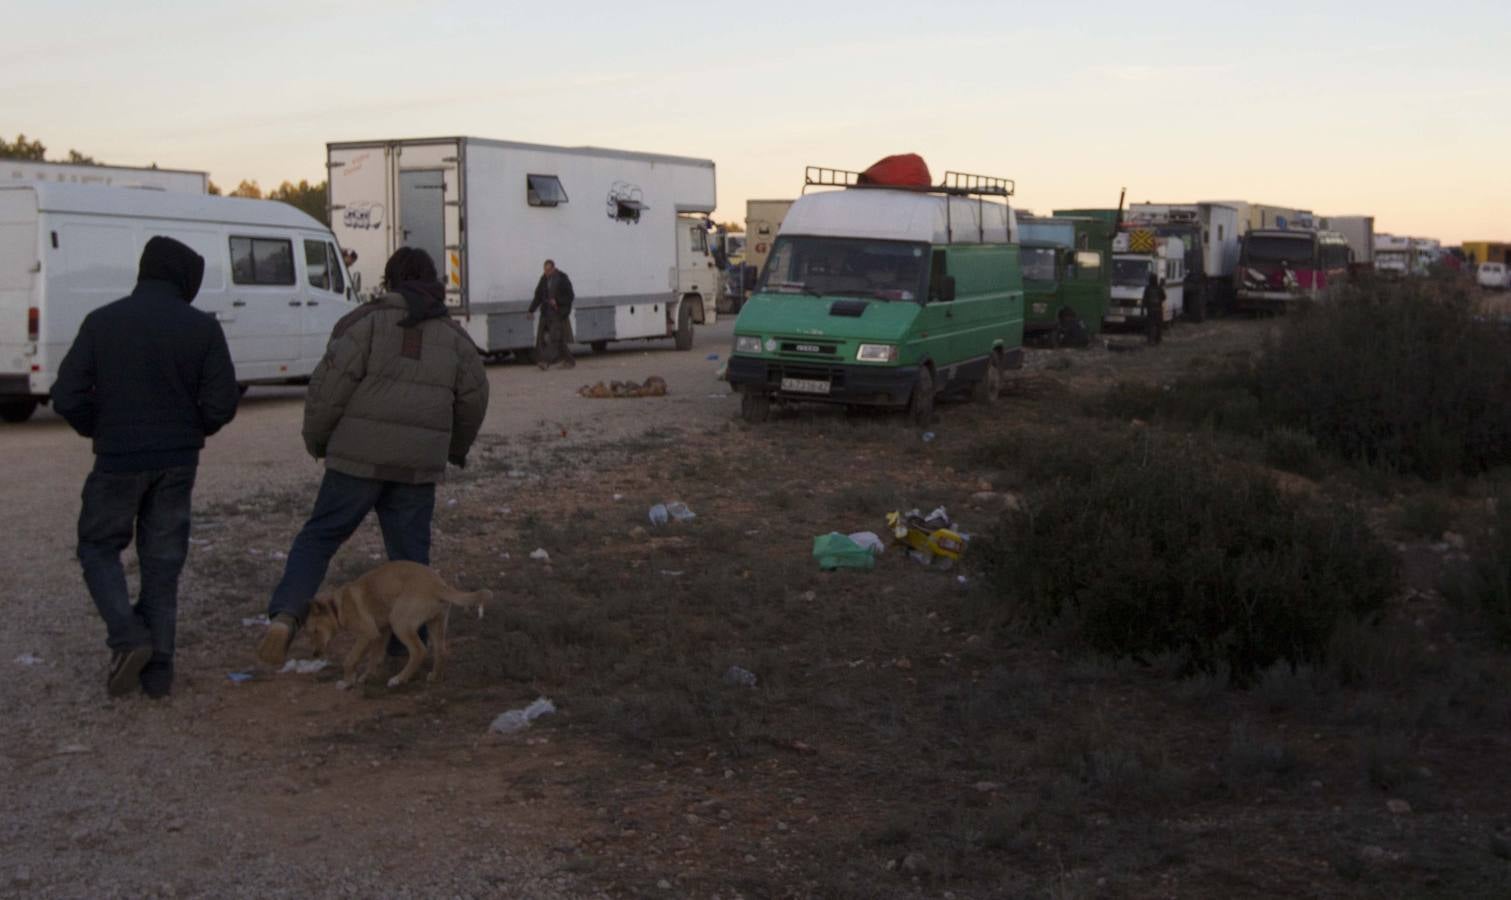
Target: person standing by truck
(553,296)
(148,378)
(400,393)
(1154,309)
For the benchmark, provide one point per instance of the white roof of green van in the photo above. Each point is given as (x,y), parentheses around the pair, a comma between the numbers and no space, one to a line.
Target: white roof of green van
(889,215)
(141,203)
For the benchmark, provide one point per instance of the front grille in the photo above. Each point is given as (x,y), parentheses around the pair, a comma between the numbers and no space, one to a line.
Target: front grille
(809,349)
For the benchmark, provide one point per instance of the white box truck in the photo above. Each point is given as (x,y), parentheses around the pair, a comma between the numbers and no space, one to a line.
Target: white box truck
(33,172)
(628,228)
(273,277)
(1360,232)
(1210,233)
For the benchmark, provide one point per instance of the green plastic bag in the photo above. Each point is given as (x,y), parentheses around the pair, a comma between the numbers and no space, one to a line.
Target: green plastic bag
(837,551)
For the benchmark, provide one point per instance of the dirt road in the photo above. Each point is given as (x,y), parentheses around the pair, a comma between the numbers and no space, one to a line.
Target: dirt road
(89,784)
(288,787)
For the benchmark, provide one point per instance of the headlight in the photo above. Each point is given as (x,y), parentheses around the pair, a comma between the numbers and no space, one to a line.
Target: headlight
(747,343)
(877,353)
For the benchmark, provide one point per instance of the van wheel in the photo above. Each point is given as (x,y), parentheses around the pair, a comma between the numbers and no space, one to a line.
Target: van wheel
(18,410)
(755,405)
(599,346)
(526,356)
(241,389)
(685,326)
(921,402)
(987,389)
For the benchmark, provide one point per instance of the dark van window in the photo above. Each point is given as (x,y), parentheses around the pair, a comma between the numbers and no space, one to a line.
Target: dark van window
(322,267)
(544,190)
(262,261)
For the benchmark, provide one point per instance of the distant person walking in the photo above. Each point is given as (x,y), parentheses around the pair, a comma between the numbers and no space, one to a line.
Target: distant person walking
(553,297)
(1154,309)
(148,378)
(401,392)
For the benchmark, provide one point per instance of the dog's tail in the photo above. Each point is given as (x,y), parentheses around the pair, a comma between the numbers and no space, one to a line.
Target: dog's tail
(467,599)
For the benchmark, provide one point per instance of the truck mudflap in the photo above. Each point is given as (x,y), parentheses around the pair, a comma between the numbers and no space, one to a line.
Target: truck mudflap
(859,385)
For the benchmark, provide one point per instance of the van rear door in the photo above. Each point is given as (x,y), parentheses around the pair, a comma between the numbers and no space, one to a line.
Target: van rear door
(19,276)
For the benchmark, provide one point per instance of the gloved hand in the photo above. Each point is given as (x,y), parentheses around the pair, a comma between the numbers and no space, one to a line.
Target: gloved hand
(459,461)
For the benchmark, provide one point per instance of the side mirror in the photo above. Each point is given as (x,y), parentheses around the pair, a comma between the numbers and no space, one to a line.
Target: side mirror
(947,289)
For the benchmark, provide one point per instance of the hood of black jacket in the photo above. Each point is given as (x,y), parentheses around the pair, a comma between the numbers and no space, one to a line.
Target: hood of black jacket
(424,300)
(170,261)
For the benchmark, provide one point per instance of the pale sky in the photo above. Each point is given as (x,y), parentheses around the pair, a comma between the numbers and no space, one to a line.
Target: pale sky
(1400,110)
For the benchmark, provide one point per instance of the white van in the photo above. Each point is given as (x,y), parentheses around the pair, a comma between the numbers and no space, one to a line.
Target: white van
(1492,275)
(274,278)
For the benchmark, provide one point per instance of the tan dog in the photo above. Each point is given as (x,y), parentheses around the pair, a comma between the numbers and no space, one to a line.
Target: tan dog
(397,598)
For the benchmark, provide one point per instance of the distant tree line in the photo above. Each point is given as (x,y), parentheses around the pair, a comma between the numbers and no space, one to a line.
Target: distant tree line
(310,198)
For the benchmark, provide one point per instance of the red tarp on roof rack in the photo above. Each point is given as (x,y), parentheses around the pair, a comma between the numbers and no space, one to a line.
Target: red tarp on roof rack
(903,170)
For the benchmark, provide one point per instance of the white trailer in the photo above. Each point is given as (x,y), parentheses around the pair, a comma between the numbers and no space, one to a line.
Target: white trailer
(620,224)
(1211,233)
(21,171)
(273,277)
(1360,232)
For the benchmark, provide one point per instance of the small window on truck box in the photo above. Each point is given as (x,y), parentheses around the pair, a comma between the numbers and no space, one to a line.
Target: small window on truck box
(544,190)
(262,261)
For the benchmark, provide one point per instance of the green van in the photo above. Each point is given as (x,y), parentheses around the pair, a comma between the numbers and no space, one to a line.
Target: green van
(882,296)
(1066,279)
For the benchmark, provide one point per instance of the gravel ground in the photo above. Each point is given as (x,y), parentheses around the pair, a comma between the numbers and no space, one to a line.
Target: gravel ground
(211,793)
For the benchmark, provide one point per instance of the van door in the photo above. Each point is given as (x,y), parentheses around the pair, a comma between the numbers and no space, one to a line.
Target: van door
(20,268)
(267,304)
(422,211)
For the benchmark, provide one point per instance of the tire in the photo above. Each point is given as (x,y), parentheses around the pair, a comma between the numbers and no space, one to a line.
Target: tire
(241,389)
(526,356)
(16,411)
(1070,331)
(684,335)
(755,405)
(599,346)
(989,387)
(921,402)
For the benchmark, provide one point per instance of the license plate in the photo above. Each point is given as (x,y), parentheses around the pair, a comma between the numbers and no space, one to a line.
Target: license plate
(805,386)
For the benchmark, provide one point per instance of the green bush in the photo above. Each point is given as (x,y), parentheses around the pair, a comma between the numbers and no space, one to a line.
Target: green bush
(1426,515)
(1152,546)
(1486,582)
(1404,374)
(1292,450)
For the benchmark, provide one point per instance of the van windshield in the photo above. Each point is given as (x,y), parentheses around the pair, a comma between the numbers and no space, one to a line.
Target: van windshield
(1038,263)
(1130,271)
(853,267)
(1276,249)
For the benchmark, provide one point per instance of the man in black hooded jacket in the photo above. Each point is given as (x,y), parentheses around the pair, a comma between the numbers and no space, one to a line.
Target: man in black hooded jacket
(148,378)
(553,297)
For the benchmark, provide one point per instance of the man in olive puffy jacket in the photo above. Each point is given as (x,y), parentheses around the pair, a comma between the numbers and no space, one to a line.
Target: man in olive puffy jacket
(401,391)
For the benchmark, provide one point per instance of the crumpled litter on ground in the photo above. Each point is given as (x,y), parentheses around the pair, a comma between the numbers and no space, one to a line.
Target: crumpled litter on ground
(654,386)
(304,666)
(28,659)
(520,719)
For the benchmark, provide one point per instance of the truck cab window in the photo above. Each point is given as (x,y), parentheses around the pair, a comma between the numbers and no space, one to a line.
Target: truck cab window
(316,265)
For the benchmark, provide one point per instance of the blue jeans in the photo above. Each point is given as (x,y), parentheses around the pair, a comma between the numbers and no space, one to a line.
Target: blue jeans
(404,513)
(154,506)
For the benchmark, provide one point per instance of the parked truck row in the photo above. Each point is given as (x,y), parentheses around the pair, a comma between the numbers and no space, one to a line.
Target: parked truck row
(927,286)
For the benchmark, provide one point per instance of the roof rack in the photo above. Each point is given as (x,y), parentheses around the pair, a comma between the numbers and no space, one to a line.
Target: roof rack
(959,184)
